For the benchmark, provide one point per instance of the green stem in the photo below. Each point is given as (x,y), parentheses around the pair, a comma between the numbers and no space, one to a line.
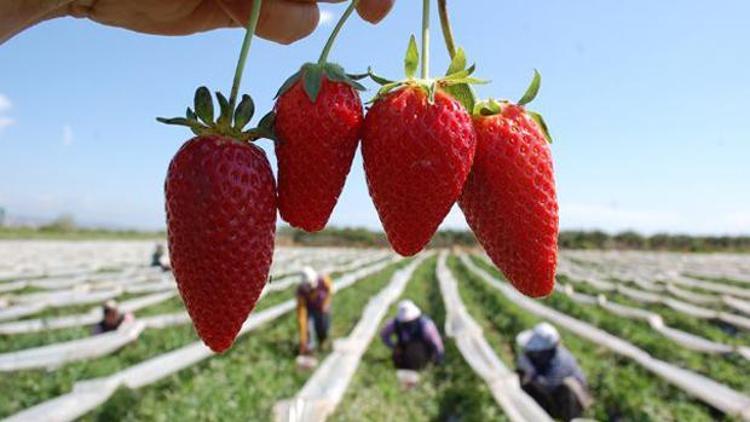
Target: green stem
(249,32)
(445,24)
(336,30)
(425,39)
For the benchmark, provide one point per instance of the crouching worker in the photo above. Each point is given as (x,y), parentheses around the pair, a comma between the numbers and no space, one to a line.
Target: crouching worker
(313,309)
(112,319)
(550,374)
(417,342)
(157,258)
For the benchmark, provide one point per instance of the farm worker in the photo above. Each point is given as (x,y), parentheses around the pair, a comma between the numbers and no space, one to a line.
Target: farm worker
(283,21)
(313,309)
(112,319)
(418,341)
(550,374)
(157,258)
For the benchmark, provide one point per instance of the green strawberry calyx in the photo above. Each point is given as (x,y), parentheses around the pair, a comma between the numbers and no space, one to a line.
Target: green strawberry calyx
(229,123)
(494,107)
(456,82)
(312,75)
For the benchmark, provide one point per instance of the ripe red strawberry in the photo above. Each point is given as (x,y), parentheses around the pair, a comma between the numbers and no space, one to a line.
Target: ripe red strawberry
(509,198)
(417,156)
(221,218)
(316,139)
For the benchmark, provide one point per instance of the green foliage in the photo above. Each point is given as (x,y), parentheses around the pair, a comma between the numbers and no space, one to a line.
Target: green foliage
(56,231)
(661,242)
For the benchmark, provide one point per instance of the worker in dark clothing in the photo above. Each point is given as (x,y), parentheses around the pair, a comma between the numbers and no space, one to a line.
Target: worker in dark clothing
(418,341)
(112,318)
(550,374)
(157,258)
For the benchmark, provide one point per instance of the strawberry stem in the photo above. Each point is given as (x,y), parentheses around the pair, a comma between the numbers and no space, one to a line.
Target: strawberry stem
(249,32)
(445,24)
(425,39)
(336,30)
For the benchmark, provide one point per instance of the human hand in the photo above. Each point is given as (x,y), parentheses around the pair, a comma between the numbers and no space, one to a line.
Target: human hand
(283,21)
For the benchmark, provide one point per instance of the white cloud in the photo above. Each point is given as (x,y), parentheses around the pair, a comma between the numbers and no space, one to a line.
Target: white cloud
(5,105)
(67,137)
(5,122)
(326,18)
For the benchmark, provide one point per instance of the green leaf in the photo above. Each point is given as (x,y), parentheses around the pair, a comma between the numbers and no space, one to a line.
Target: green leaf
(312,75)
(337,73)
(468,80)
(335,70)
(487,108)
(542,124)
(463,94)
(288,84)
(175,121)
(461,73)
(388,88)
(190,114)
(458,63)
(204,105)
(532,90)
(377,78)
(195,126)
(357,76)
(411,60)
(266,126)
(225,113)
(244,112)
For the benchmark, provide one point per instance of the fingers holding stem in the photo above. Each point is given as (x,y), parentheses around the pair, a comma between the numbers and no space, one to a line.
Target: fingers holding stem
(252,23)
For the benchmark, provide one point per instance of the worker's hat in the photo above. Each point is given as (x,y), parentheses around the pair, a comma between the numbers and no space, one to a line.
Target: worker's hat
(407,311)
(309,276)
(110,305)
(542,337)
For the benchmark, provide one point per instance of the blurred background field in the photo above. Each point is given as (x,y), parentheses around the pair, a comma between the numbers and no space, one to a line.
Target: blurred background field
(703,300)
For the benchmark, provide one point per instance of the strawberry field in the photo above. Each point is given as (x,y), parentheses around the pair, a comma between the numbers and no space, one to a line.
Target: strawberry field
(658,336)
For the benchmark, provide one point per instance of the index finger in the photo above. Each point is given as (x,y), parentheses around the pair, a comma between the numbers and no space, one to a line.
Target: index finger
(374,11)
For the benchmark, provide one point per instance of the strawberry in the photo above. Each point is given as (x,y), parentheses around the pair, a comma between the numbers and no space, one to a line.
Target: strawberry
(509,199)
(417,145)
(417,155)
(221,218)
(317,126)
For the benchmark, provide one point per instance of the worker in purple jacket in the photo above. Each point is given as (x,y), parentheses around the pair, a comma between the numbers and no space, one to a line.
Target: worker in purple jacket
(417,342)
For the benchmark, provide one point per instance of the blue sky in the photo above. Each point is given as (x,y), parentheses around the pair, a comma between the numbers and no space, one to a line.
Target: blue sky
(647,102)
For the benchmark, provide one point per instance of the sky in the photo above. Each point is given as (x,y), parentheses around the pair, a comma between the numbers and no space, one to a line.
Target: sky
(647,102)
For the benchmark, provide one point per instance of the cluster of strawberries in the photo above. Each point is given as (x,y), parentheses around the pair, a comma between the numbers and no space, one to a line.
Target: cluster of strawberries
(426,144)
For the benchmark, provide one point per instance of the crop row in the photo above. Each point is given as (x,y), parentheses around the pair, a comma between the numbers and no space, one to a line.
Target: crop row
(622,389)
